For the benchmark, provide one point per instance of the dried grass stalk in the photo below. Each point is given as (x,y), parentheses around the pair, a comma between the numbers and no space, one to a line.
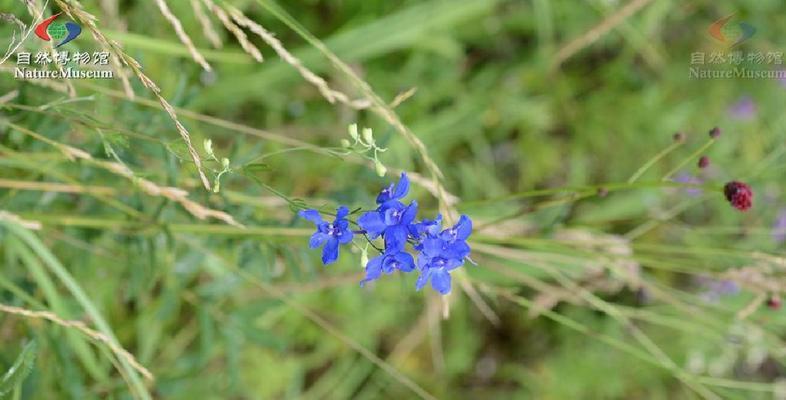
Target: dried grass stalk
(182,35)
(10,217)
(330,94)
(241,37)
(74,10)
(119,351)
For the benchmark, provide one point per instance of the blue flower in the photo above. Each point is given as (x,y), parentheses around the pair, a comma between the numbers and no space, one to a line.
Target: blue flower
(331,234)
(395,191)
(435,262)
(442,253)
(387,263)
(456,237)
(426,227)
(392,219)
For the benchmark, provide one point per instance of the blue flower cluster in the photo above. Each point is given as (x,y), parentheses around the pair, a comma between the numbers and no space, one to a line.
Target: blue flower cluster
(439,251)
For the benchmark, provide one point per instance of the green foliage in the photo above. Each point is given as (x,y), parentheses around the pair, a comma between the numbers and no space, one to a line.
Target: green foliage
(19,371)
(593,296)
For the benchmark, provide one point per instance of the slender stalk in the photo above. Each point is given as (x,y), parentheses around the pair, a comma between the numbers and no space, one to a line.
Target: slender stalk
(663,153)
(691,157)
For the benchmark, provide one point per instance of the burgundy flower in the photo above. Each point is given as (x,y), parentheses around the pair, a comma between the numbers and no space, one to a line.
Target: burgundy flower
(704,161)
(774,302)
(715,132)
(739,195)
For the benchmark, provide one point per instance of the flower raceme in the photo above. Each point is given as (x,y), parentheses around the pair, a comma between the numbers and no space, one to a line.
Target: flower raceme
(438,251)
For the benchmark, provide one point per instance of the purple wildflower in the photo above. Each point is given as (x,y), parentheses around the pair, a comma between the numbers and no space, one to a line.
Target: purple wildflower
(779,228)
(744,109)
(685,177)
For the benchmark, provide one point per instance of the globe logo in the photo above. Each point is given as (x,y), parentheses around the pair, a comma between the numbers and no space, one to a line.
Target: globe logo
(57,31)
(48,30)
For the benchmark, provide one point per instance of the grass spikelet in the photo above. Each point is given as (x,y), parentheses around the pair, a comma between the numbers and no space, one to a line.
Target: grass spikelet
(177,195)
(207,27)
(330,94)
(241,37)
(80,326)
(75,11)
(182,35)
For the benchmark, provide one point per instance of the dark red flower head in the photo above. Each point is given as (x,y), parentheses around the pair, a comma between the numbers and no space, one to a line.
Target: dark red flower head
(704,161)
(739,195)
(774,302)
(715,132)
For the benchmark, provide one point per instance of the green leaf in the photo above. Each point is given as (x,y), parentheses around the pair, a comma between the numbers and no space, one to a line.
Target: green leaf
(20,370)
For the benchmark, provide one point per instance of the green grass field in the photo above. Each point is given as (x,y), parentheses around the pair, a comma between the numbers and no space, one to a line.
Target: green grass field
(149,232)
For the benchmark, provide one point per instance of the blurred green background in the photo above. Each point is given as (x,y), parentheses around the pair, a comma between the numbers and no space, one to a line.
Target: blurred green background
(654,291)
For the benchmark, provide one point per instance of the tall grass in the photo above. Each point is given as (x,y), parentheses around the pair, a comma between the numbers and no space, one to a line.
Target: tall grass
(143,265)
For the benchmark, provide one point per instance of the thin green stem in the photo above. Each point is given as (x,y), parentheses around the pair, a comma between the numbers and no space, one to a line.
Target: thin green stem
(688,159)
(663,153)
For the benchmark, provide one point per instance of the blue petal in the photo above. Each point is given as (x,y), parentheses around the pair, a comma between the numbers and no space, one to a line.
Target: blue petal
(373,270)
(384,194)
(454,263)
(372,223)
(433,246)
(410,213)
(458,249)
(434,226)
(330,251)
(440,281)
(402,187)
(389,218)
(345,236)
(423,261)
(463,228)
(387,264)
(423,279)
(341,212)
(405,261)
(395,238)
(317,239)
(311,215)
(341,224)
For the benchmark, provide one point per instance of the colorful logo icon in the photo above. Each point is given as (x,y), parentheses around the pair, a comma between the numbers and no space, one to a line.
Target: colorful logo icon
(731,34)
(49,29)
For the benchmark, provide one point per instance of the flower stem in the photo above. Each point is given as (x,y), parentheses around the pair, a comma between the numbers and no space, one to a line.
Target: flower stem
(653,160)
(684,162)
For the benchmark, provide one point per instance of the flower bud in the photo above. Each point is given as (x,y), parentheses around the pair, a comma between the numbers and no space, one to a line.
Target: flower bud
(208,145)
(715,132)
(363,257)
(353,131)
(368,135)
(704,162)
(381,170)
